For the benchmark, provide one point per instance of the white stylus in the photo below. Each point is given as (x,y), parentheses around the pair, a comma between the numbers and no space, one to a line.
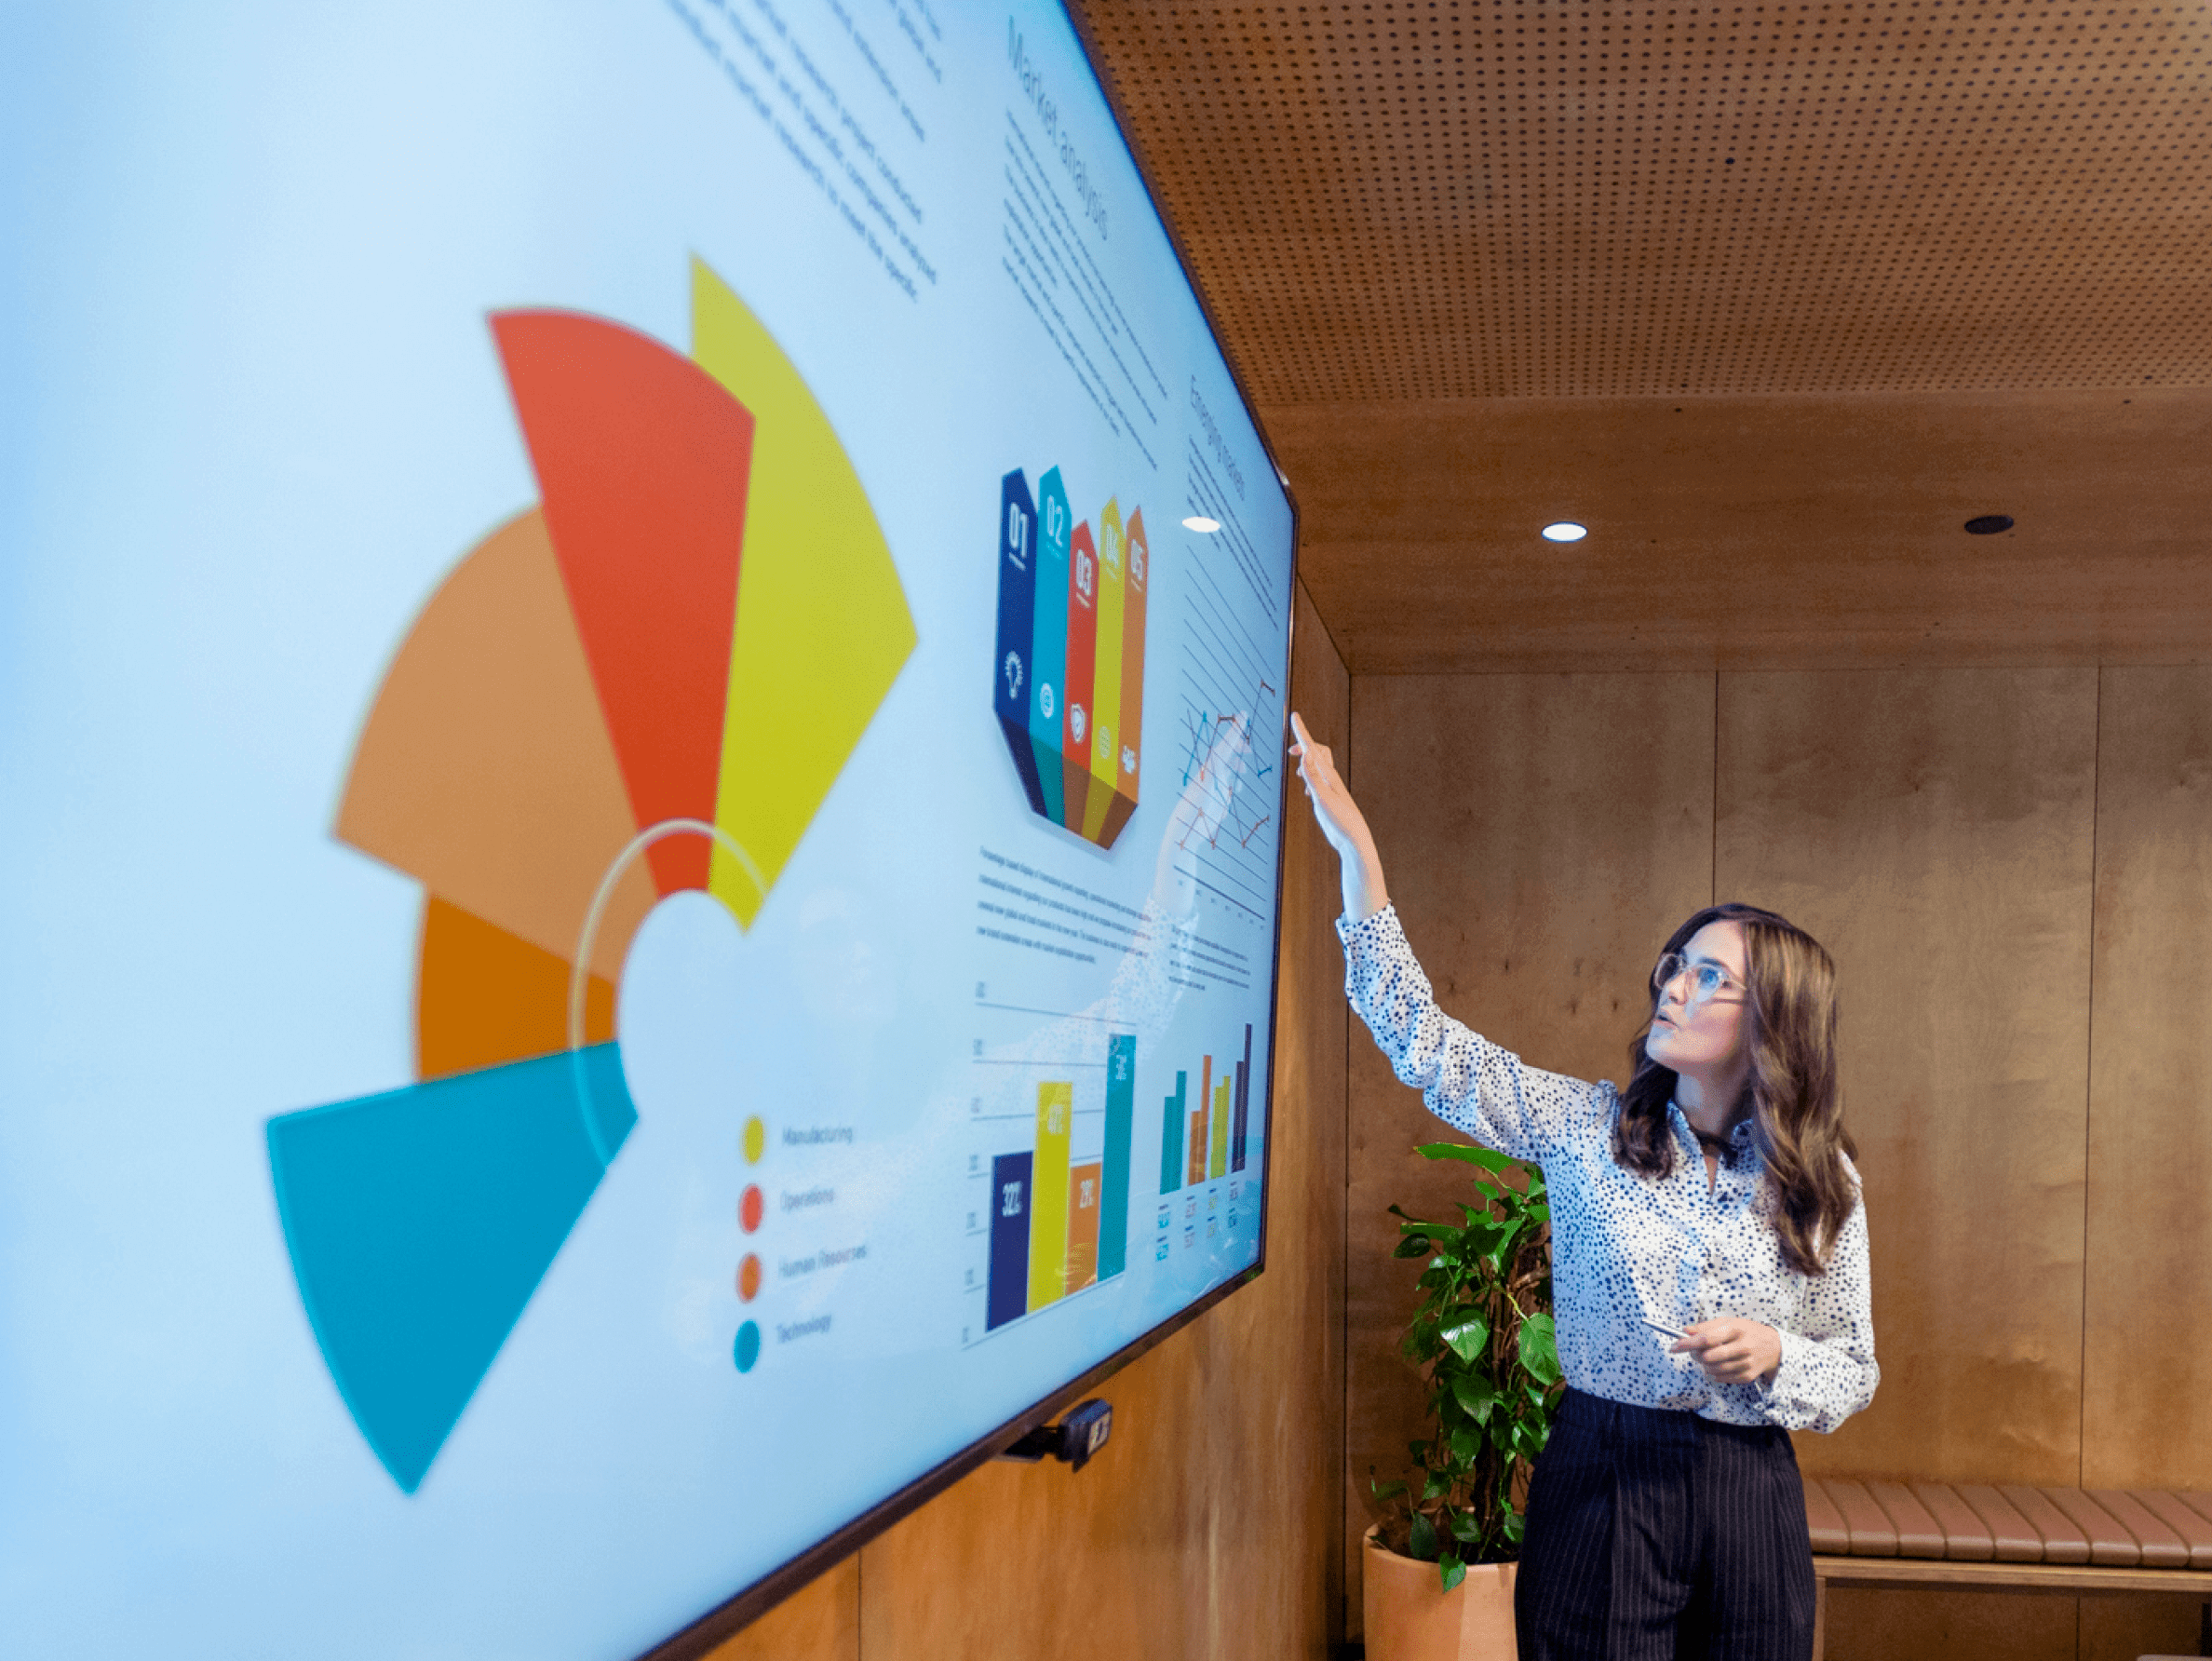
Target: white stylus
(1674,1332)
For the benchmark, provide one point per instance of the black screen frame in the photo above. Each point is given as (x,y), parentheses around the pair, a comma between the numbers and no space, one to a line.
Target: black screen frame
(727,1618)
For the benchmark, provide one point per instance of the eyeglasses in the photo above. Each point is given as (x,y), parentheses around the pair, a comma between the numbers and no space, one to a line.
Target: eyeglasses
(1707,977)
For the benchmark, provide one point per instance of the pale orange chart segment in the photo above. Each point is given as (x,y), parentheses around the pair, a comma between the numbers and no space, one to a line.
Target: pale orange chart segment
(485,997)
(485,771)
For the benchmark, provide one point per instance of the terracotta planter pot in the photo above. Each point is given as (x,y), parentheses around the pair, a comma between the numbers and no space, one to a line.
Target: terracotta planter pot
(1411,1617)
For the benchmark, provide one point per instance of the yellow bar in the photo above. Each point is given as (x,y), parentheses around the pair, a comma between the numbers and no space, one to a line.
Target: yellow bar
(1218,1166)
(1048,1196)
(1106,672)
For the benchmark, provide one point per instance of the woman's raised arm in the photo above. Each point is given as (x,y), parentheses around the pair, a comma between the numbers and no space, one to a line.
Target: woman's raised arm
(1341,822)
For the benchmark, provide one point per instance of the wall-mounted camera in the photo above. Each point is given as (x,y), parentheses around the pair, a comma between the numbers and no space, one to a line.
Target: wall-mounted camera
(1072,1440)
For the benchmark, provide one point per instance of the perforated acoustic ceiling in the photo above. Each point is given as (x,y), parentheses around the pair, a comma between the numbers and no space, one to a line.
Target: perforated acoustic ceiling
(1453,198)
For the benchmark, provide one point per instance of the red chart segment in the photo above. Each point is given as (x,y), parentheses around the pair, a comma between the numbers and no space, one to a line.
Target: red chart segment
(643,461)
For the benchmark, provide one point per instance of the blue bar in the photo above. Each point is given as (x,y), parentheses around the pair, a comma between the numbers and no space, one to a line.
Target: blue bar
(1243,1098)
(1008,1297)
(1016,623)
(1121,1125)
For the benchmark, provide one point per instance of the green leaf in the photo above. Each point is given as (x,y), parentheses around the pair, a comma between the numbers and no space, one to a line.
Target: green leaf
(1485,1158)
(1419,1451)
(1539,1349)
(1455,1570)
(1424,1538)
(1542,1213)
(1465,1446)
(1465,1526)
(1434,1487)
(1516,1526)
(1467,1337)
(1412,1246)
(1386,1491)
(1477,1394)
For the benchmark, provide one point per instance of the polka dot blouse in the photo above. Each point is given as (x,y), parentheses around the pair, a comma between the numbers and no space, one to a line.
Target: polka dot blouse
(1625,1247)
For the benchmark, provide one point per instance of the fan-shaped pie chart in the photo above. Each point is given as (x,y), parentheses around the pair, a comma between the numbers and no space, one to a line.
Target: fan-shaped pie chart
(644,684)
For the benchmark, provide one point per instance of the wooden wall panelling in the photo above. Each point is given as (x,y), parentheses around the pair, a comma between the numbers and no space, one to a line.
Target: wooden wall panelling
(1541,834)
(2123,1628)
(819,1622)
(1933,829)
(2147,1361)
(1208,1526)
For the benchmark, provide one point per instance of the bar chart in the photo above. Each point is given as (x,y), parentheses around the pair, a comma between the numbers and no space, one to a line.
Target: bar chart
(1204,1138)
(1058,1209)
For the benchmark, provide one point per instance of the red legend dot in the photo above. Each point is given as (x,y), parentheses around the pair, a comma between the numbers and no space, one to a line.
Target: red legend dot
(750,1209)
(749,1277)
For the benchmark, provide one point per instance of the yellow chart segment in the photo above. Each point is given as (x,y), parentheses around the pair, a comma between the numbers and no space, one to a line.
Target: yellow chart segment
(822,623)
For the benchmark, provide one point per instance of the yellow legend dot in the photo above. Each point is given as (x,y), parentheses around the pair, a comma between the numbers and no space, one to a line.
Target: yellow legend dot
(756,1139)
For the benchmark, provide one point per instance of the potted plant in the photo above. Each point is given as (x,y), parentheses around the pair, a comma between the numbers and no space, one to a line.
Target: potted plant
(1438,1567)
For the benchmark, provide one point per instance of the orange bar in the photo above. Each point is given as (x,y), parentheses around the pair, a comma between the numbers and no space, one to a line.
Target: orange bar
(1083,1182)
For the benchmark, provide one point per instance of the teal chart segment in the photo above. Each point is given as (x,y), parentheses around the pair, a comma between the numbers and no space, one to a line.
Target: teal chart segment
(420,1221)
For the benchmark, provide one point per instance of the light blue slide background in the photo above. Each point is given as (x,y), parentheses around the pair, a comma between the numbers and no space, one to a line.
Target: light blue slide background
(254,416)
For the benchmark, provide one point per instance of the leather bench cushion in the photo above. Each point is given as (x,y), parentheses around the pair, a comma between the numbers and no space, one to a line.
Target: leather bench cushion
(1966,1538)
(1971,1522)
(2194,1530)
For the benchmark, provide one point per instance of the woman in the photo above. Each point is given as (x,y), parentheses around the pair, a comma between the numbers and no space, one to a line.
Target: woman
(1715,1196)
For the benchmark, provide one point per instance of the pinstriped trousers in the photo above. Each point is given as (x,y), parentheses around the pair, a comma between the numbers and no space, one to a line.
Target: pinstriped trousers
(1656,1535)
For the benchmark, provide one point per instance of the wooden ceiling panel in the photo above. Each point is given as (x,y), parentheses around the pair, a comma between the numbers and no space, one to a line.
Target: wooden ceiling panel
(1391,199)
(1758,533)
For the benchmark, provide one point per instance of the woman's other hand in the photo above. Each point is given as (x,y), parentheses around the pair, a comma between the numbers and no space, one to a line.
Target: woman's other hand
(1733,1350)
(1342,823)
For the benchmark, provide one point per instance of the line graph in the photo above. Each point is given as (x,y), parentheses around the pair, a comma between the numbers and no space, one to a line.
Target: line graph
(1229,713)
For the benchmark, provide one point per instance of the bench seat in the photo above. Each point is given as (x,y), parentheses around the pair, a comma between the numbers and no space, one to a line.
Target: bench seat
(2107,1528)
(1899,1535)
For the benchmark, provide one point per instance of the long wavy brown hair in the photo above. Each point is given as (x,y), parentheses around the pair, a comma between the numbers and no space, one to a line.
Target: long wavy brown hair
(1789,1030)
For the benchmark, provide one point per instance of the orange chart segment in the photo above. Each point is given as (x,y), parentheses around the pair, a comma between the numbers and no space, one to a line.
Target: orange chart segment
(484,996)
(484,769)
(644,462)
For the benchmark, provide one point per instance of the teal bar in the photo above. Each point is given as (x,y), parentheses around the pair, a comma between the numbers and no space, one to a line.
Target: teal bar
(1171,1137)
(1120,1127)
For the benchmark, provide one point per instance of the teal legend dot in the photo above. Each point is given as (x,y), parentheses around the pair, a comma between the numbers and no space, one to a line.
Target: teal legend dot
(749,1345)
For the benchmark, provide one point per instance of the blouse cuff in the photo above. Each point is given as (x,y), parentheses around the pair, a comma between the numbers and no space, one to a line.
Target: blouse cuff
(1370,932)
(1787,1400)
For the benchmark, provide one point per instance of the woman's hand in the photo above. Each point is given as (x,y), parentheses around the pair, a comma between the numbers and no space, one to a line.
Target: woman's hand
(1734,1351)
(1342,823)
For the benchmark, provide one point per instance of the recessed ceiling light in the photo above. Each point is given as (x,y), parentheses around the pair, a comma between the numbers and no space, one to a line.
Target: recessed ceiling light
(1565,531)
(1200,522)
(1989,524)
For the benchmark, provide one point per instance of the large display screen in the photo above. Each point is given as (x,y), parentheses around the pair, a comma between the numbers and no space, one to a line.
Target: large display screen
(641,689)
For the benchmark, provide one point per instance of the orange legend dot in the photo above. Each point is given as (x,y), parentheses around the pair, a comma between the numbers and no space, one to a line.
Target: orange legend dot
(749,1277)
(751,1207)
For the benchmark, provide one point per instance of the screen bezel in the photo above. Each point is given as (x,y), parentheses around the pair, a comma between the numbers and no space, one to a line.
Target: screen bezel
(727,1618)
